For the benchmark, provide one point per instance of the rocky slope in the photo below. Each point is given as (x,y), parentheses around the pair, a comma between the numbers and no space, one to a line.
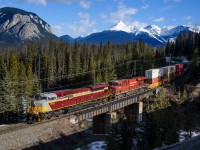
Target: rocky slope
(18,26)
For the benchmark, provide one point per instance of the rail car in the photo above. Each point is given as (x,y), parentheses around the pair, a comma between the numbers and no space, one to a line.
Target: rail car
(46,105)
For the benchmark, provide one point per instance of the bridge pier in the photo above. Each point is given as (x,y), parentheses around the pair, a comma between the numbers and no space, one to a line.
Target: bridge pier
(102,122)
(133,113)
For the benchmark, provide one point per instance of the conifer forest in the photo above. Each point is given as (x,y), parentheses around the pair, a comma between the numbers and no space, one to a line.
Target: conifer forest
(36,67)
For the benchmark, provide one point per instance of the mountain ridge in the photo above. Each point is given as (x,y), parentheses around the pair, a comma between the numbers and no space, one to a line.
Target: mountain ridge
(151,34)
(18,26)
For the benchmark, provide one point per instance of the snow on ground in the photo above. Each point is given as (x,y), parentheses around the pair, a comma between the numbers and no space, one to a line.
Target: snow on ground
(89,119)
(99,145)
(3,125)
(183,135)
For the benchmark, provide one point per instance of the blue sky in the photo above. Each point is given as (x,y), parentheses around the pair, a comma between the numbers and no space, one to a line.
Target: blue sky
(83,17)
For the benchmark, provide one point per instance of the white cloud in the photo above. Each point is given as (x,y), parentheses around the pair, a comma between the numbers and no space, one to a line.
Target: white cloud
(83,15)
(44,2)
(83,26)
(159,19)
(85,4)
(166,7)
(145,6)
(174,19)
(38,2)
(174,1)
(187,17)
(123,13)
(58,29)
(103,16)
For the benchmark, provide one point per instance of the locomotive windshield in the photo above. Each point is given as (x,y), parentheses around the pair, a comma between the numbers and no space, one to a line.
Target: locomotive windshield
(39,97)
(113,84)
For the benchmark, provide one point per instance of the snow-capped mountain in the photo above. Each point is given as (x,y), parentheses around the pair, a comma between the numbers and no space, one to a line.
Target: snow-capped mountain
(120,26)
(122,33)
(18,26)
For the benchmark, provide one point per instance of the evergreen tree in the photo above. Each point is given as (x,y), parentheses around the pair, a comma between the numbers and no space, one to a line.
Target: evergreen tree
(23,84)
(109,63)
(30,81)
(52,74)
(7,98)
(13,68)
(120,136)
(76,58)
(92,70)
(195,64)
(70,67)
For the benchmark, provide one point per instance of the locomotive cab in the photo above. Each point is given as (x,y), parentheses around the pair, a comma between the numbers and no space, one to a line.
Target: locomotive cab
(40,103)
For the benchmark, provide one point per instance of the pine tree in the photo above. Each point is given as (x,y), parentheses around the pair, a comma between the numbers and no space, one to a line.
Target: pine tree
(23,81)
(70,67)
(109,62)
(120,136)
(44,69)
(195,64)
(76,58)
(92,68)
(30,80)
(13,68)
(7,98)
(51,69)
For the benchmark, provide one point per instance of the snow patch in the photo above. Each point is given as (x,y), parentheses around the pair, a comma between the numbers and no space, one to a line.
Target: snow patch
(183,135)
(89,119)
(99,145)
(2,15)
(36,20)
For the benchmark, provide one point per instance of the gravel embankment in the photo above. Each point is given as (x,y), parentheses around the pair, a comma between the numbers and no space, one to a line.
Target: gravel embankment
(37,134)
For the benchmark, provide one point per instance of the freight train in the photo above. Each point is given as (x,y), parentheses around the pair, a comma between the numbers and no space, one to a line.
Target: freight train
(46,105)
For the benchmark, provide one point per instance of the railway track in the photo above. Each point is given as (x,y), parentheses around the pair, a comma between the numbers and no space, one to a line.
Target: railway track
(72,111)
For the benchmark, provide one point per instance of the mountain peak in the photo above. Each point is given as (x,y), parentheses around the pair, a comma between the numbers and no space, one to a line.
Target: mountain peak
(120,26)
(18,26)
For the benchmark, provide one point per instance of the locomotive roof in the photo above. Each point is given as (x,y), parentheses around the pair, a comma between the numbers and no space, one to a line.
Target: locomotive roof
(49,95)
(98,86)
(119,81)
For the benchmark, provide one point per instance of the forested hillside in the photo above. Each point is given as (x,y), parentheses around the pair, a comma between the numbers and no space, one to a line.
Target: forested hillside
(184,45)
(58,65)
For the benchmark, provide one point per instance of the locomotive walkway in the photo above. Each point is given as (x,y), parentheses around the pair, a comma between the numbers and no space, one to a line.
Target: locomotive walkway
(30,135)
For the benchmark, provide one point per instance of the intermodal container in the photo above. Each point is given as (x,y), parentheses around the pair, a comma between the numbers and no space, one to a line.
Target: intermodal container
(153,73)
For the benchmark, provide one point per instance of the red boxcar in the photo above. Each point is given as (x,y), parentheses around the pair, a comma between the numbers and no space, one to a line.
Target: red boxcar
(179,69)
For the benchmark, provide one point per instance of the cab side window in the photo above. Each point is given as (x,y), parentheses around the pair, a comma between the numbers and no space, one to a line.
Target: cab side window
(51,98)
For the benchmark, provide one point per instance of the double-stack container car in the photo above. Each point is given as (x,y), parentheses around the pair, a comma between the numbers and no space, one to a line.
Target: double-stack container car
(169,73)
(154,77)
